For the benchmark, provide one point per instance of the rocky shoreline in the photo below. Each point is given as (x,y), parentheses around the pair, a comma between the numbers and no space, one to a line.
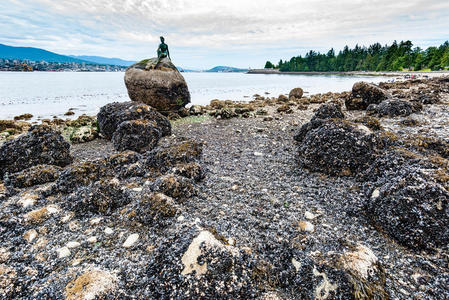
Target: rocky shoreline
(329,196)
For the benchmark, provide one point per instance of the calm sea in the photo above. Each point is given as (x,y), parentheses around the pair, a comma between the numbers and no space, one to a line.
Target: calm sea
(48,94)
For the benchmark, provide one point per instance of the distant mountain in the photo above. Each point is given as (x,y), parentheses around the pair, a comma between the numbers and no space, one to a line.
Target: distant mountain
(35,54)
(104,60)
(181,69)
(226,69)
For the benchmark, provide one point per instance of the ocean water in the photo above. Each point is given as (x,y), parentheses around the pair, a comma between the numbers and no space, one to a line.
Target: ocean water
(48,94)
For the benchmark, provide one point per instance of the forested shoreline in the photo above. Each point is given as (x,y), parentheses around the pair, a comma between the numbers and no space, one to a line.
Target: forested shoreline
(396,57)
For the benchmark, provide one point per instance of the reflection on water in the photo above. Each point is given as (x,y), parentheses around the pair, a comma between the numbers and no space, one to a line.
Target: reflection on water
(46,94)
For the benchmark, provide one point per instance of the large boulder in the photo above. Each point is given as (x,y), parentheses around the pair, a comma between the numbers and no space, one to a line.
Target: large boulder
(364,94)
(335,147)
(410,206)
(159,85)
(41,145)
(136,135)
(113,114)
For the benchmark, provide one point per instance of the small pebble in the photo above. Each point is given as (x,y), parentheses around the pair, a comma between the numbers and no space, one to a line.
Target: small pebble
(309,216)
(108,231)
(131,240)
(92,239)
(95,221)
(306,226)
(73,244)
(63,252)
(30,235)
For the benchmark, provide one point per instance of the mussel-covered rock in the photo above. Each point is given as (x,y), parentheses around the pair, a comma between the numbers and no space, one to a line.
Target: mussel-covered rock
(35,175)
(153,207)
(328,111)
(335,147)
(391,108)
(409,205)
(200,264)
(136,135)
(364,94)
(175,186)
(113,114)
(41,145)
(164,158)
(103,196)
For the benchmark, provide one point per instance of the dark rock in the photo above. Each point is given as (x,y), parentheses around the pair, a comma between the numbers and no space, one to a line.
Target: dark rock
(409,205)
(296,93)
(80,174)
(159,85)
(35,175)
(427,98)
(328,111)
(127,164)
(196,110)
(225,113)
(282,98)
(172,116)
(285,108)
(164,158)
(261,112)
(26,116)
(154,206)
(391,108)
(371,122)
(175,186)
(41,145)
(198,263)
(103,196)
(113,114)
(136,135)
(364,94)
(335,147)
(192,170)
(183,112)
(217,104)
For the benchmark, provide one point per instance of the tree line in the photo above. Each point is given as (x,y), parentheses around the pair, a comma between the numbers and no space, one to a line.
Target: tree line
(396,57)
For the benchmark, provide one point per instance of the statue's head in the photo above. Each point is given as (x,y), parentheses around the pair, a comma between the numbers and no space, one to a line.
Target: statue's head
(162,39)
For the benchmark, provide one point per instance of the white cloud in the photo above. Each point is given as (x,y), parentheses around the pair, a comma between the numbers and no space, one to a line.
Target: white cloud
(127,28)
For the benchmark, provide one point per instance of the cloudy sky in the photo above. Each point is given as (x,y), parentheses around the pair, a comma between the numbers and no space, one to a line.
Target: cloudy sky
(203,34)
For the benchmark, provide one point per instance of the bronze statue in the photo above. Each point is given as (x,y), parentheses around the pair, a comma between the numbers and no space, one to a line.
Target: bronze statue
(162,51)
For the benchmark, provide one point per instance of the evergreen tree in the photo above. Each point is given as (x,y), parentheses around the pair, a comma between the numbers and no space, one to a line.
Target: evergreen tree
(269,65)
(376,57)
